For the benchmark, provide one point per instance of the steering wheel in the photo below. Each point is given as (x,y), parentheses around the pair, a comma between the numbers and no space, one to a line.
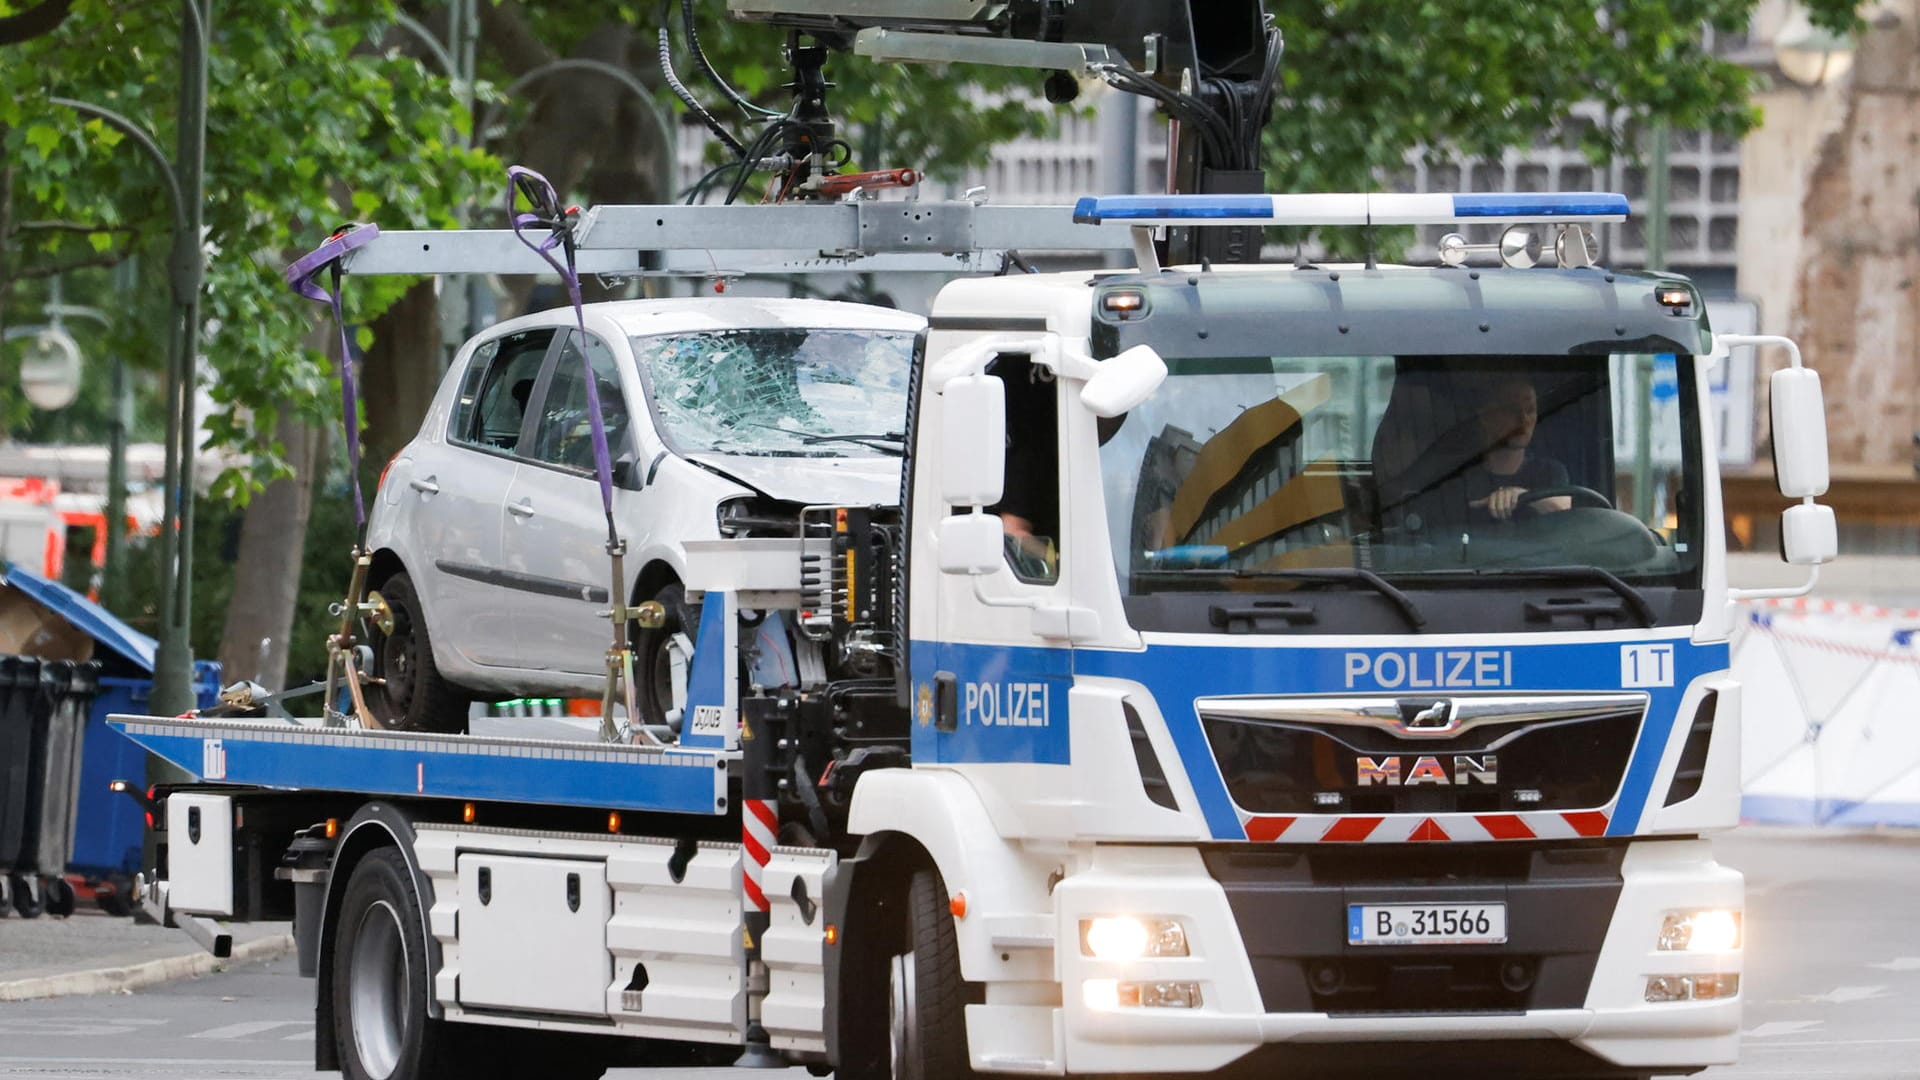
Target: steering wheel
(1582,496)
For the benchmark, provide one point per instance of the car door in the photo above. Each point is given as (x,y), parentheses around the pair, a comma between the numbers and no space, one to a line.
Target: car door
(459,490)
(555,543)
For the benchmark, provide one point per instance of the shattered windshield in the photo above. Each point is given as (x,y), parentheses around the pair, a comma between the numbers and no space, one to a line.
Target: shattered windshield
(779,391)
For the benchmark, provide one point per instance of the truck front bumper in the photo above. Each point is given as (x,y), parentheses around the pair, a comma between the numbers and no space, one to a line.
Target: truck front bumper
(1269,974)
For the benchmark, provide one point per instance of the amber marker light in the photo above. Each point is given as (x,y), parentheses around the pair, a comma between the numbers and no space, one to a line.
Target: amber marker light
(958,905)
(468,812)
(833,934)
(333,828)
(613,821)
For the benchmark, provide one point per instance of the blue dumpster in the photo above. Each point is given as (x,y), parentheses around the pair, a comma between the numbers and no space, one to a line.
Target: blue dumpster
(108,828)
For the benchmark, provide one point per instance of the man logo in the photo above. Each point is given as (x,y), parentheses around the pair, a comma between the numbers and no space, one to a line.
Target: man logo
(1387,772)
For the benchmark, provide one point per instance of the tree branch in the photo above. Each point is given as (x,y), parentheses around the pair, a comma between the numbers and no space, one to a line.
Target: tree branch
(37,21)
(71,227)
(105,258)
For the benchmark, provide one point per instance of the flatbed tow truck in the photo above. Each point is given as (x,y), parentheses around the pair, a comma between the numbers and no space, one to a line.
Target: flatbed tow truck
(1216,697)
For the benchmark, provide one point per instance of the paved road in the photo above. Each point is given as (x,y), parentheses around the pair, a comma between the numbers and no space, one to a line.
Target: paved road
(1833,987)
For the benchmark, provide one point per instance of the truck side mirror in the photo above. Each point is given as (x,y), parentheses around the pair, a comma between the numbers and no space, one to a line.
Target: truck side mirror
(971,544)
(1124,382)
(1799,433)
(1808,535)
(973,444)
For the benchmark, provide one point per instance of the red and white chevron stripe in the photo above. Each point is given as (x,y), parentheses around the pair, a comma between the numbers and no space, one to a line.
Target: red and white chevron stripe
(758,823)
(1415,828)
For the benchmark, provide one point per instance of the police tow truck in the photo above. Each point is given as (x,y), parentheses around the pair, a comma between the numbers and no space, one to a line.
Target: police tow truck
(1263,667)
(1301,667)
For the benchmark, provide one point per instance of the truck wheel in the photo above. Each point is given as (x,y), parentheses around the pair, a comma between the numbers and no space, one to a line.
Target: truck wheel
(927,999)
(653,654)
(380,980)
(414,696)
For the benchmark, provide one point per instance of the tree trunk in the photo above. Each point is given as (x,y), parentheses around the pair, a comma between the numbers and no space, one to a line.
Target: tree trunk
(399,376)
(266,572)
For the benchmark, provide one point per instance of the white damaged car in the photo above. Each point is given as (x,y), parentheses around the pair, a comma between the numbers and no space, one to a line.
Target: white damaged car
(488,534)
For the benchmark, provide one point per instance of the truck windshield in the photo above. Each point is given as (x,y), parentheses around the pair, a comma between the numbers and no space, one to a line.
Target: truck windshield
(780,391)
(1428,471)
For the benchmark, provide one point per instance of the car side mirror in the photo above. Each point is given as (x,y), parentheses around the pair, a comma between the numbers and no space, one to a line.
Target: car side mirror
(625,473)
(971,544)
(1124,382)
(973,444)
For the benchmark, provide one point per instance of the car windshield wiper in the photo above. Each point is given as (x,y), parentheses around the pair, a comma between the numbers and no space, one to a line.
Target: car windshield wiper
(1394,595)
(875,441)
(1633,597)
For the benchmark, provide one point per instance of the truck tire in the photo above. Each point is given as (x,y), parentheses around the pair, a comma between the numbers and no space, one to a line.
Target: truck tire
(414,695)
(927,998)
(652,661)
(380,980)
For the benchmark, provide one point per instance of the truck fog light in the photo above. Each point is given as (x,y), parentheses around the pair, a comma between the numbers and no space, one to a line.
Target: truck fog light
(1662,988)
(1169,995)
(1668,988)
(1122,937)
(1708,930)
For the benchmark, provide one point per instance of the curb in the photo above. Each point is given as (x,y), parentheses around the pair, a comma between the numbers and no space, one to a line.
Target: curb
(136,976)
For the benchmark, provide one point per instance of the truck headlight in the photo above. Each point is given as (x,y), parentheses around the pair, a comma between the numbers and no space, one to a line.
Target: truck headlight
(1707,930)
(1123,937)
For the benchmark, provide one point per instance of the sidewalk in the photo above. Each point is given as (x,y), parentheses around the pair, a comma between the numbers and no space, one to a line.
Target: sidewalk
(96,953)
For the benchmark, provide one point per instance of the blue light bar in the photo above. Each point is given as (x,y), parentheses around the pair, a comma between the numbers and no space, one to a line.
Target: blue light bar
(1560,206)
(1349,209)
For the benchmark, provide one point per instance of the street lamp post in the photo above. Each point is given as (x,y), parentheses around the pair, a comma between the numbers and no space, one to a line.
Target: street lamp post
(184,177)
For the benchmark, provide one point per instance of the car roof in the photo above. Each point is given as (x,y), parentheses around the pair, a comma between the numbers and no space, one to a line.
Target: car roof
(684,314)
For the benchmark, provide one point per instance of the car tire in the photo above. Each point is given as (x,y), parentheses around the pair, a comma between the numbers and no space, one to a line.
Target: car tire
(927,998)
(413,695)
(651,658)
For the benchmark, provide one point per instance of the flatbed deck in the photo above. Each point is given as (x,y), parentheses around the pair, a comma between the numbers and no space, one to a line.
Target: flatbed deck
(308,756)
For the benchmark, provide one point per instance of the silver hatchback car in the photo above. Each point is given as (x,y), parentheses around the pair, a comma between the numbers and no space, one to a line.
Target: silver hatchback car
(724,416)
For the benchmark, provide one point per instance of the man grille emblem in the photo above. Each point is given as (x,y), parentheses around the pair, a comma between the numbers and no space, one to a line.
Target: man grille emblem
(1427,716)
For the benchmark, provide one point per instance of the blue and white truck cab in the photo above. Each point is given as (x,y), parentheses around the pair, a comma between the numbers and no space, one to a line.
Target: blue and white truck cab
(1264,668)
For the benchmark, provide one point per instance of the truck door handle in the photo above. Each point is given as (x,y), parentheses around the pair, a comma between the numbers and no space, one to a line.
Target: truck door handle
(523,508)
(424,487)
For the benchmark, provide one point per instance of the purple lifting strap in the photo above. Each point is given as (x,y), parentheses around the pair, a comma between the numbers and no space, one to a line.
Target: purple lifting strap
(301,276)
(548,212)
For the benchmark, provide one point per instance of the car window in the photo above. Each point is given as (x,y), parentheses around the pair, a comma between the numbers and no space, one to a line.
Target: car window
(493,398)
(565,434)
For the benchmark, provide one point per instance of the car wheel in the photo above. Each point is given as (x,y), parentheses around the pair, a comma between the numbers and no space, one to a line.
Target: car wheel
(654,653)
(413,695)
(927,998)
